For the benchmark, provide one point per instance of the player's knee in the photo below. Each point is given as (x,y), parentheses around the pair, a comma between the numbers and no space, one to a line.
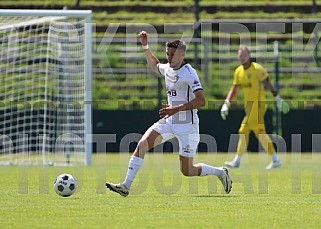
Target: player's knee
(243,131)
(142,145)
(186,171)
(259,132)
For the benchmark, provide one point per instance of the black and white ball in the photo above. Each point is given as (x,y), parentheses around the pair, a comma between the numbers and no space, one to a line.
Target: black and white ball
(65,185)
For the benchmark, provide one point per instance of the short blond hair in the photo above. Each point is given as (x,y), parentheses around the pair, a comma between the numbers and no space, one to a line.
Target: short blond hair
(245,48)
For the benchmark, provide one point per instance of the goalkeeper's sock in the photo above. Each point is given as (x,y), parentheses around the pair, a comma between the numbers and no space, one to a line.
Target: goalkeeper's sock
(134,164)
(275,157)
(210,170)
(237,159)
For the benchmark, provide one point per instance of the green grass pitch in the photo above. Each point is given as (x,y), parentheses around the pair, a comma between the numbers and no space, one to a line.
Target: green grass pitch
(288,197)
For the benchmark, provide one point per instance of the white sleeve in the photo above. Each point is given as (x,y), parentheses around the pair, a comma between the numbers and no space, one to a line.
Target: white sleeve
(161,68)
(195,82)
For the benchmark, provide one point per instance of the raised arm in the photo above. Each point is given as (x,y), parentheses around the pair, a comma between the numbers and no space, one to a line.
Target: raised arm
(152,60)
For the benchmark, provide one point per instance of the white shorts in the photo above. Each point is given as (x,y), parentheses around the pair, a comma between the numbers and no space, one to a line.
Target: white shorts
(186,134)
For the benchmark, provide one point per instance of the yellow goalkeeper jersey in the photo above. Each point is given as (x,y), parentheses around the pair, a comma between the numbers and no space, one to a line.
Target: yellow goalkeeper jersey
(251,80)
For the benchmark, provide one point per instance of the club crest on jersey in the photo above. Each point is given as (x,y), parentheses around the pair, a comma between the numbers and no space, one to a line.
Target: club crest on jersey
(249,76)
(173,78)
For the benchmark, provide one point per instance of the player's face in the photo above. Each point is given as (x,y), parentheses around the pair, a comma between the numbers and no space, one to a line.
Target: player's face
(243,56)
(174,57)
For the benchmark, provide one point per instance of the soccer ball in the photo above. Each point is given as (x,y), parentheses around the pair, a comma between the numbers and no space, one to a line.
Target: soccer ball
(65,185)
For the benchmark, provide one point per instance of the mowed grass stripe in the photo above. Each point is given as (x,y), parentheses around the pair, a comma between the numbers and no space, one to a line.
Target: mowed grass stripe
(162,198)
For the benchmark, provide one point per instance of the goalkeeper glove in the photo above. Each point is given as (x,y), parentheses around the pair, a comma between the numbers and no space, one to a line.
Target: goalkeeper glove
(224,110)
(281,104)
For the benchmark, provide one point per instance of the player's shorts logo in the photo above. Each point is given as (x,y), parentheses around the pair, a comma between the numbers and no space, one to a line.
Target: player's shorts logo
(187,149)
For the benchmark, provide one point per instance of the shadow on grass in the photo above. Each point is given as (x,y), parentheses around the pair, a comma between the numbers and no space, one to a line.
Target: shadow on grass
(215,196)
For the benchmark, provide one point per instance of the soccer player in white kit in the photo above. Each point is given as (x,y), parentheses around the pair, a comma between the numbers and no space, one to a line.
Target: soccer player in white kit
(178,118)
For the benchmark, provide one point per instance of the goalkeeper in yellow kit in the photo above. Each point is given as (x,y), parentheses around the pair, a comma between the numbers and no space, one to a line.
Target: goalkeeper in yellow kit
(253,79)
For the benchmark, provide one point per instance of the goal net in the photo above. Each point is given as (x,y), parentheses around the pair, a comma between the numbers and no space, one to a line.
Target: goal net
(45,87)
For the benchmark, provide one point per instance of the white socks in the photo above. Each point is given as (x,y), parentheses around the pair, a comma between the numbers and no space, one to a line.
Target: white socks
(210,170)
(237,159)
(275,157)
(134,164)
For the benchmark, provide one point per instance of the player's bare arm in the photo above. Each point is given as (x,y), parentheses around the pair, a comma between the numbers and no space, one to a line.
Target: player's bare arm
(233,92)
(268,85)
(280,103)
(198,101)
(152,60)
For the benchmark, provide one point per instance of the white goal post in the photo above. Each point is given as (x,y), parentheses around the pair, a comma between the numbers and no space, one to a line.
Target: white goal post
(45,87)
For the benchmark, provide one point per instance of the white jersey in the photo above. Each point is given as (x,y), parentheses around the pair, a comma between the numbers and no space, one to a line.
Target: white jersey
(180,87)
